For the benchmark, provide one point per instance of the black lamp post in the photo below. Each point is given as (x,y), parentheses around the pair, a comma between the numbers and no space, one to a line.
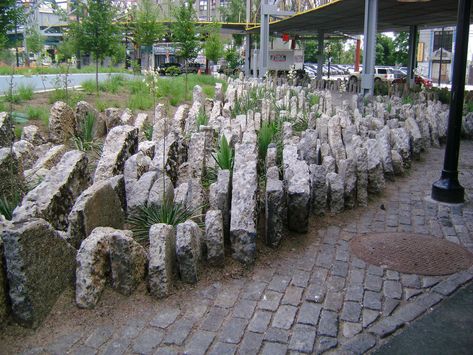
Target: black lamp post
(448,188)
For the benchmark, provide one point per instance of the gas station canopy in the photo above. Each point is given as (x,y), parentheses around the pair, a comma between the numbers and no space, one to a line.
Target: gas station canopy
(347,16)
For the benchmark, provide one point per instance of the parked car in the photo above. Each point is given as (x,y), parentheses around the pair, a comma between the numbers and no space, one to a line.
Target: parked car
(419,80)
(163,67)
(380,74)
(193,68)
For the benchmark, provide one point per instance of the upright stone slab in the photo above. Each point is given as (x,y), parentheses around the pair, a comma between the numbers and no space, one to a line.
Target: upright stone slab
(50,158)
(31,134)
(415,137)
(54,198)
(118,185)
(93,264)
(197,155)
(335,192)
(188,251)
(120,144)
(162,259)
(318,187)
(112,118)
(298,197)
(335,139)
(26,154)
(361,176)
(243,210)
(11,173)
(40,265)
(307,147)
(219,199)
(275,209)
(7,134)
(83,109)
(98,206)
(213,238)
(139,192)
(376,180)
(162,190)
(328,162)
(62,123)
(347,171)
(384,150)
(401,143)
(398,166)
(128,261)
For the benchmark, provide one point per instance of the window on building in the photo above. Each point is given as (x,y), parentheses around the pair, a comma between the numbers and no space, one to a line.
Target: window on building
(202,5)
(445,41)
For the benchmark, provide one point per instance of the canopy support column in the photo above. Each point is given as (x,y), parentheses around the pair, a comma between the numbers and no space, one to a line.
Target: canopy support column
(411,65)
(320,55)
(448,188)
(369,50)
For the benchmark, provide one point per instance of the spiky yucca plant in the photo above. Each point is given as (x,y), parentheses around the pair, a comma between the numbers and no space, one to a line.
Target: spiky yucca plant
(224,155)
(168,212)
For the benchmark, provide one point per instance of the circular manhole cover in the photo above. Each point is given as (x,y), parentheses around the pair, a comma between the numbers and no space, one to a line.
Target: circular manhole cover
(412,253)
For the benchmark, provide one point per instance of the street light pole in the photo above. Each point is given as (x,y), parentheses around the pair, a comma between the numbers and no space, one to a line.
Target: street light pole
(448,188)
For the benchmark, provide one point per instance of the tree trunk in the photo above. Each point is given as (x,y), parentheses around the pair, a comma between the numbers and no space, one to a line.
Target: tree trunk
(97,74)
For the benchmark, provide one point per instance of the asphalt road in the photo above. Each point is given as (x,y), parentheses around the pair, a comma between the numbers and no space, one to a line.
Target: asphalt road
(48,82)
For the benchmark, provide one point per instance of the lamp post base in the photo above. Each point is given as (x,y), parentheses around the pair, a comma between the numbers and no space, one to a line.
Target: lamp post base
(448,190)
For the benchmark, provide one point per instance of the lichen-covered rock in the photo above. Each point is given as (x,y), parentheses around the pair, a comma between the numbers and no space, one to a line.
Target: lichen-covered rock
(169,155)
(401,143)
(54,197)
(139,192)
(126,117)
(11,174)
(415,137)
(335,139)
(25,153)
(128,261)
(467,127)
(31,134)
(271,156)
(307,147)
(298,197)
(93,264)
(219,199)
(361,176)
(84,109)
(328,162)
(98,206)
(120,144)
(335,192)
(50,158)
(40,265)
(161,191)
(112,118)
(376,180)
(347,171)
(135,167)
(162,259)
(398,166)
(142,122)
(188,251)
(148,148)
(7,134)
(275,210)
(118,185)
(243,205)
(213,237)
(318,187)
(62,123)
(197,155)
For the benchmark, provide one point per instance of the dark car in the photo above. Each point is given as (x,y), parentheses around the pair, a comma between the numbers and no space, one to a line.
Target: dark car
(419,80)
(163,67)
(192,68)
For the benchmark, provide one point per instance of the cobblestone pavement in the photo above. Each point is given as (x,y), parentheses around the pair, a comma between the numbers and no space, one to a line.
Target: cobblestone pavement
(311,298)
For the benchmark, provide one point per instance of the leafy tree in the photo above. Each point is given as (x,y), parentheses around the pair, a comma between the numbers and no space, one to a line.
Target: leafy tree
(384,50)
(184,33)
(34,41)
(213,46)
(11,15)
(401,48)
(234,11)
(146,27)
(310,51)
(97,33)
(232,57)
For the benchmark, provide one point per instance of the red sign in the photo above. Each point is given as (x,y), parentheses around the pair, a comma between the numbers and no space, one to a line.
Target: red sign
(285,37)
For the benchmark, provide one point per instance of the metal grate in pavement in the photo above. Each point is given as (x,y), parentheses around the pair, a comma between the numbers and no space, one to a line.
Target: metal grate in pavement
(412,253)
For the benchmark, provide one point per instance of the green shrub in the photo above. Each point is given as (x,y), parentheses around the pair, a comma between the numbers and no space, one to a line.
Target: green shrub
(38,113)
(314,100)
(3,106)
(224,155)
(169,213)
(469,106)
(148,131)
(209,176)
(71,98)
(114,84)
(137,87)
(172,71)
(18,132)
(89,86)
(408,100)
(140,102)
(265,137)
(25,92)
(84,141)
(202,119)
(12,97)
(8,204)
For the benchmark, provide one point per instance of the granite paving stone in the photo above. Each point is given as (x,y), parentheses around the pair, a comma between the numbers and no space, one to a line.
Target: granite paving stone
(284,317)
(214,319)
(293,295)
(277,335)
(309,313)
(274,349)
(260,321)
(251,343)
(303,338)
(199,343)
